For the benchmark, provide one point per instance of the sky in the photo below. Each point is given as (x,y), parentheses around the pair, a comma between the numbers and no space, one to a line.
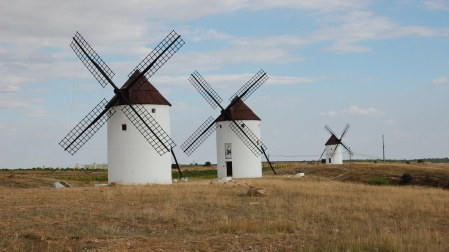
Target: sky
(381,66)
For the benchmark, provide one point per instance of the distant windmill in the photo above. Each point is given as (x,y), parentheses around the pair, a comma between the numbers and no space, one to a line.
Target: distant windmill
(238,130)
(333,149)
(130,161)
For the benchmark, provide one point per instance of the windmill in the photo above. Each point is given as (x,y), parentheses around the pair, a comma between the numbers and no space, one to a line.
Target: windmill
(238,130)
(333,149)
(130,161)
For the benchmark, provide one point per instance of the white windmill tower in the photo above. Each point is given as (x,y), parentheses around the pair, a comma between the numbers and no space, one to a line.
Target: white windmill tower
(137,102)
(238,130)
(130,159)
(334,153)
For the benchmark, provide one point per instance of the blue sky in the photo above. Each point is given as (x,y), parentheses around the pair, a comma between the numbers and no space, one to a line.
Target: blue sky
(381,66)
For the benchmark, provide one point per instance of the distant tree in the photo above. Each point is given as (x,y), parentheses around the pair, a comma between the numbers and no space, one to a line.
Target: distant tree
(207,164)
(406,178)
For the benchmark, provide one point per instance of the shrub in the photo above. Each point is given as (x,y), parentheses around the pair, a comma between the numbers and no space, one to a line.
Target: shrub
(378,181)
(406,178)
(420,161)
(428,180)
(207,164)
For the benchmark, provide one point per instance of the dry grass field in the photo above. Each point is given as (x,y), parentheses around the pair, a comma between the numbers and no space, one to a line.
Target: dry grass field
(330,209)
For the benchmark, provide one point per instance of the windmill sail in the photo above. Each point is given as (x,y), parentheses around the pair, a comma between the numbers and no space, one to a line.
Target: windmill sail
(149,128)
(161,54)
(227,114)
(85,129)
(91,60)
(205,89)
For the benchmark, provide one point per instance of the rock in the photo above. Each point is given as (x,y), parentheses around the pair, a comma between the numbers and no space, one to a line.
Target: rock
(236,183)
(256,191)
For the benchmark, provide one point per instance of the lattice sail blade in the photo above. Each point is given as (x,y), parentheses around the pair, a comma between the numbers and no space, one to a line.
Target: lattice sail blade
(199,136)
(161,54)
(149,128)
(251,86)
(85,129)
(328,129)
(91,60)
(345,130)
(205,89)
(349,150)
(248,137)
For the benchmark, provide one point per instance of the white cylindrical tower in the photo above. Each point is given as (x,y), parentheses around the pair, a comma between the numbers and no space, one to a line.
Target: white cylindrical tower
(234,158)
(131,158)
(337,158)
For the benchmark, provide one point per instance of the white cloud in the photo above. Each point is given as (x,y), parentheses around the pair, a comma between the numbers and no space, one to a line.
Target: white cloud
(441,80)
(440,5)
(354,110)
(199,34)
(286,80)
(130,20)
(401,134)
(330,113)
(358,26)
(318,5)
(184,107)
(390,122)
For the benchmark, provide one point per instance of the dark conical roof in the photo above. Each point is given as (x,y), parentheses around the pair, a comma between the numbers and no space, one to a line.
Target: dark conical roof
(239,111)
(143,92)
(333,140)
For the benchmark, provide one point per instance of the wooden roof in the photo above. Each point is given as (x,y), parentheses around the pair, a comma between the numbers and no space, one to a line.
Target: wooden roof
(333,140)
(239,111)
(142,92)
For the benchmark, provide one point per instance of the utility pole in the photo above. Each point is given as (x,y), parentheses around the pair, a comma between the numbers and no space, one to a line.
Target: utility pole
(350,159)
(383,147)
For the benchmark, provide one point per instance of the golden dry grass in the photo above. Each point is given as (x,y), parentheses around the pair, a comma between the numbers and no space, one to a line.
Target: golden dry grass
(299,214)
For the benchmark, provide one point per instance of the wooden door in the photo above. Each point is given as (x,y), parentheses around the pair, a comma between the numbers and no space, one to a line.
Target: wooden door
(228,169)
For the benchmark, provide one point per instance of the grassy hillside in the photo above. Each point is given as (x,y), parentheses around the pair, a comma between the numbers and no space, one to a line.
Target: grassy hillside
(323,211)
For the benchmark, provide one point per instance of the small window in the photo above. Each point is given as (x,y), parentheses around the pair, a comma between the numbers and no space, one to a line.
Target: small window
(219,125)
(123,127)
(153,110)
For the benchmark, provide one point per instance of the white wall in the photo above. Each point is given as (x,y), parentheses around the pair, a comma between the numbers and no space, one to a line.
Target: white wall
(338,155)
(244,163)
(131,158)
